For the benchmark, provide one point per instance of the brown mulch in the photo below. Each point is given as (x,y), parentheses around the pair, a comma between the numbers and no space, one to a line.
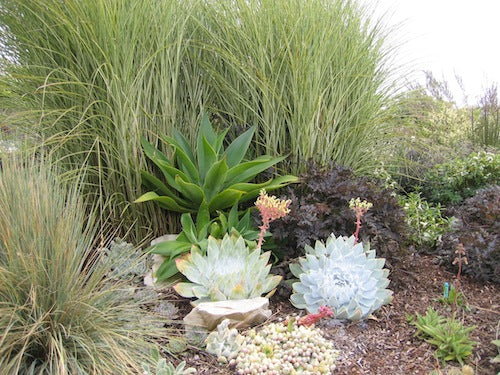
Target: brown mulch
(386,344)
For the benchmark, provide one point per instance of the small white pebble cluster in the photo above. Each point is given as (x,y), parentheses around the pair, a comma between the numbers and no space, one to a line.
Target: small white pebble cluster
(275,350)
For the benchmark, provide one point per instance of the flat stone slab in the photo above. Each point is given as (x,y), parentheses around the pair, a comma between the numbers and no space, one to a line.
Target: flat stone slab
(241,314)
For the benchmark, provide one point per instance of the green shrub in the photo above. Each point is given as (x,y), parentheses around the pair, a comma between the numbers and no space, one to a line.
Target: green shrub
(478,226)
(427,225)
(59,312)
(455,181)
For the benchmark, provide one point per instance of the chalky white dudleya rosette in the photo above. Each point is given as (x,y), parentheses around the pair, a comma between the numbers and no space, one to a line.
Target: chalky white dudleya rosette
(228,271)
(342,275)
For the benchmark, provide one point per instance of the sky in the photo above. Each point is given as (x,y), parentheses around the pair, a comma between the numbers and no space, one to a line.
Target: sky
(448,38)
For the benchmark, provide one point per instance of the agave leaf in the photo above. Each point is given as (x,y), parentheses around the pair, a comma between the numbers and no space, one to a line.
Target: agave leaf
(232,218)
(192,191)
(155,184)
(207,157)
(164,202)
(170,248)
(182,143)
(238,148)
(224,199)
(244,172)
(170,173)
(214,178)
(185,161)
(269,185)
(167,270)
(189,228)
(152,152)
(203,220)
(206,130)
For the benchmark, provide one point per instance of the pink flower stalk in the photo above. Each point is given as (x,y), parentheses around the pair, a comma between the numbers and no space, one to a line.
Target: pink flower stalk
(270,208)
(360,208)
(310,319)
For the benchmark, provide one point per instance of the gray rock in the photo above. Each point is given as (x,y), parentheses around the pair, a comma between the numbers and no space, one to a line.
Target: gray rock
(241,313)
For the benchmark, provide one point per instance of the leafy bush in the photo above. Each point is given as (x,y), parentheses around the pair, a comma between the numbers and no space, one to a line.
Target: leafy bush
(455,181)
(426,223)
(59,312)
(478,228)
(320,206)
(448,334)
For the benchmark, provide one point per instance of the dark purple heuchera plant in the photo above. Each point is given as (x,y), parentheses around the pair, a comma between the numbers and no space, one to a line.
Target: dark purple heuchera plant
(320,206)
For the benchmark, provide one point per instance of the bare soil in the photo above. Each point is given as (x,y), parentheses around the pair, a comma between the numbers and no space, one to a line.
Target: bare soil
(386,344)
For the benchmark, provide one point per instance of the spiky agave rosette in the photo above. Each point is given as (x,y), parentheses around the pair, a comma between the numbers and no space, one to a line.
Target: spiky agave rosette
(228,271)
(342,275)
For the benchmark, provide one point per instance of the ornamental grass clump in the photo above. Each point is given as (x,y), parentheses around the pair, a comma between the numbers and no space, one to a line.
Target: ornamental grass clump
(343,276)
(59,311)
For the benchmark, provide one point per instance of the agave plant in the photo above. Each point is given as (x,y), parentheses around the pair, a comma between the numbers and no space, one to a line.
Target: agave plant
(212,174)
(342,275)
(228,271)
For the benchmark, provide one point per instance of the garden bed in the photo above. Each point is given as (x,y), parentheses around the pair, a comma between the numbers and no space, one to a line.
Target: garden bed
(386,344)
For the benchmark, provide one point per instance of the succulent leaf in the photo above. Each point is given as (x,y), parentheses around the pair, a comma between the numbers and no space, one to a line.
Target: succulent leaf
(342,275)
(228,270)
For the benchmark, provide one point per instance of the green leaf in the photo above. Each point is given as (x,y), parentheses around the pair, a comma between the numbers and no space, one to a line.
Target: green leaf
(170,249)
(246,171)
(244,222)
(206,157)
(167,270)
(215,179)
(225,199)
(203,220)
(189,228)
(184,145)
(219,142)
(185,161)
(154,183)
(232,218)
(207,130)
(191,191)
(186,165)
(164,202)
(152,152)
(238,148)
(170,172)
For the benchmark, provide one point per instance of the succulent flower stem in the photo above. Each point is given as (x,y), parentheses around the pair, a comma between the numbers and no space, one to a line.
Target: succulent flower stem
(360,208)
(270,208)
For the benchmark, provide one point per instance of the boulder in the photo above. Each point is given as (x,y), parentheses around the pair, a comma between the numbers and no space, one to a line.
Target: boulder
(240,313)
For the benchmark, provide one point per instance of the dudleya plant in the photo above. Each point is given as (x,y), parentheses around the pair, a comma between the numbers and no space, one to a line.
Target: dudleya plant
(228,271)
(343,276)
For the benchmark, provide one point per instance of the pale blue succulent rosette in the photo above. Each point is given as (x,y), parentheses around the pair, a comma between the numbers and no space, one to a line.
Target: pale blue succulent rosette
(228,271)
(343,275)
